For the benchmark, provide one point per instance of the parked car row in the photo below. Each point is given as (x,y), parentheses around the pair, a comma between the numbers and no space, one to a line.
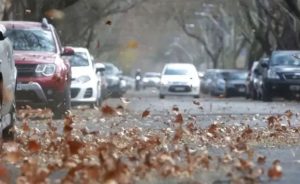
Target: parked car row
(277,76)
(40,72)
(226,83)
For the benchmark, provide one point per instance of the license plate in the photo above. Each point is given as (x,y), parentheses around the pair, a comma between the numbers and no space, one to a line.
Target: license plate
(179,88)
(21,87)
(295,87)
(242,89)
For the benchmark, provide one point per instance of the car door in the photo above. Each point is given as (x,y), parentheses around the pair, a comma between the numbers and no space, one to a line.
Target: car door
(9,74)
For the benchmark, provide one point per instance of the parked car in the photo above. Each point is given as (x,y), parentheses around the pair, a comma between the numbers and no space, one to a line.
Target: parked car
(44,77)
(100,68)
(151,79)
(8,74)
(229,83)
(116,85)
(86,85)
(281,75)
(206,81)
(130,82)
(179,79)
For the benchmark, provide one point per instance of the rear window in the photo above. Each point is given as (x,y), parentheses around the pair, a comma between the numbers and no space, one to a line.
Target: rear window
(31,40)
(176,71)
(79,59)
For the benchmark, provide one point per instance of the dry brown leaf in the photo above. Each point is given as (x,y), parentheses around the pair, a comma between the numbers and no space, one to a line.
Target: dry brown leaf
(145,113)
(55,14)
(179,119)
(175,109)
(25,126)
(33,146)
(288,114)
(195,102)
(13,157)
(261,160)
(74,146)
(275,172)
(108,111)
(108,22)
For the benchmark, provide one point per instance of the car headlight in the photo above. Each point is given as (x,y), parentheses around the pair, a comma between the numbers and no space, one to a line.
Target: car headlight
(45,69)
(164,82)
(83,79)
(221,82)
(272,74)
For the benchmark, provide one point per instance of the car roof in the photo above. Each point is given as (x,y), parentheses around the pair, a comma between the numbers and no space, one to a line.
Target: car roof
(21,24)
(285,51)
(179,64)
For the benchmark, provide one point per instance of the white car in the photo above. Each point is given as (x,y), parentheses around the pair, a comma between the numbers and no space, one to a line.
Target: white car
(8,75)
(86,85)
(179,79)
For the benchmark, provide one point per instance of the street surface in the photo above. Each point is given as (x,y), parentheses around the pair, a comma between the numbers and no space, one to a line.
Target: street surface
(206,110)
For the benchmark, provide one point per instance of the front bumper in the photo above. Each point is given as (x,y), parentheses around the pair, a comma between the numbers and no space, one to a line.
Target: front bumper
(84,93)
(181,90)
(34,94)
(236,90)
(283,86)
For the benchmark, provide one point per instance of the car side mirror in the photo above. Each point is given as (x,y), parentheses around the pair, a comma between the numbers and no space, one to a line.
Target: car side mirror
(100,70)
(256,72)
(2,32)
(264,64)
(68,51)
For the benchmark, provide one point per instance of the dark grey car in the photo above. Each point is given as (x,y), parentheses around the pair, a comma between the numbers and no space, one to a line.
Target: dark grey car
(281,75)
(229,83)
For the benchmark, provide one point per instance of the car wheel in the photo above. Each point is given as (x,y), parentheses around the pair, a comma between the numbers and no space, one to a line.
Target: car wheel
(62,105)
(253,94)
(161,96)
(8,134)
(266,94)
(196,96)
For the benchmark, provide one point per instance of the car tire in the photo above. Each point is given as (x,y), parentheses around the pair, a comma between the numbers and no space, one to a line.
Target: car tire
(161,96)
(7,133)
(196,96)
(253,94)
(266,94)
(62,105)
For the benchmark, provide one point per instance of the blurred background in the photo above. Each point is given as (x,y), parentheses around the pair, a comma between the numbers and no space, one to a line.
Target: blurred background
(146,34)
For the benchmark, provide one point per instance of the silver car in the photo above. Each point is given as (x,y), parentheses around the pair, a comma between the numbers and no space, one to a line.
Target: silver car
(8,74)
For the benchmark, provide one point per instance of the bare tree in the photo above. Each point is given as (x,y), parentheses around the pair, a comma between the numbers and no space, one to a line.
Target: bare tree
(77,17)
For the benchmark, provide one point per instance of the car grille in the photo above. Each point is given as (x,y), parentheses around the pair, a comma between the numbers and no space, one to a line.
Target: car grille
(239,86)
(179,88)
(291,76)
(88,93)
(26,70)
(74,92)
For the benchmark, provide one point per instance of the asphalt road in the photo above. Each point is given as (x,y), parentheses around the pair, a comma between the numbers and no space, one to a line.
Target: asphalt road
(205,110)
(228,110)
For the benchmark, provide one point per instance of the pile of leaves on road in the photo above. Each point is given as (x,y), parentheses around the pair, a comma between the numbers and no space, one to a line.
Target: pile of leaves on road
(124,155)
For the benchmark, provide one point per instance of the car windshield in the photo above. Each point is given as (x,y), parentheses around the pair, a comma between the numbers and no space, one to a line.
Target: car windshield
(150,75)
(31,40)
(79,59)
(110,70)
(286,59)
(177,71)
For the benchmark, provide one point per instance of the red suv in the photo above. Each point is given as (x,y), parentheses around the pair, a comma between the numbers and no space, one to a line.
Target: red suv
(44,76)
